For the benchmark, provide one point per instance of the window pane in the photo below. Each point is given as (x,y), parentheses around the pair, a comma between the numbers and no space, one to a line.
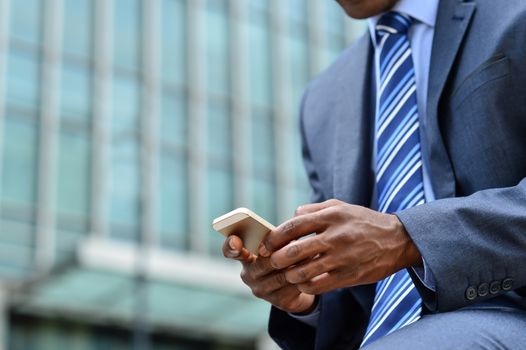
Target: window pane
(22,80)
(297,10)
(124,189)
(66,243)
(76,94)
(262,143)
(260,60)
(302,194)
(260,5)
(220,201)
(127,33)
(20,160)
(173,41)
(263,199)
(26,20)
(299,68)
(219,127)
(17,248)
(126,104)
(173,196)
(335,17)
(217,32)
(78,27)
(174,128)
(73,182)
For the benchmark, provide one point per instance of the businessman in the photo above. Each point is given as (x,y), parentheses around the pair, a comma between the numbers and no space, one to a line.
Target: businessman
(414,141)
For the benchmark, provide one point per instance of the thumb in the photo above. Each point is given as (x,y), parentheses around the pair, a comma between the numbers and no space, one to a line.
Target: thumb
(233,248)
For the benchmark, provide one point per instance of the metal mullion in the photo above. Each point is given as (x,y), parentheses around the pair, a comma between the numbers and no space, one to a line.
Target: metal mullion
(197,129)
(149,165)
(241,116)
(4,47)
(282,101)
(316,37)
(49,128)
(4,50)
(4,319)
(101,128)
(150,121)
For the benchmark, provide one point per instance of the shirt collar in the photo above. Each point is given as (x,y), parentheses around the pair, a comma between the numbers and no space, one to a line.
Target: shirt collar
(424,12)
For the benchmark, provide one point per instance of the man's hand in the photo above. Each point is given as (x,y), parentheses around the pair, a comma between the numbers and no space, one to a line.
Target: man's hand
(353,245)
(265,282)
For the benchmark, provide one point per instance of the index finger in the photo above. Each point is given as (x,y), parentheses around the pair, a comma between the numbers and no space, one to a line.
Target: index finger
(290,230)
(314,207)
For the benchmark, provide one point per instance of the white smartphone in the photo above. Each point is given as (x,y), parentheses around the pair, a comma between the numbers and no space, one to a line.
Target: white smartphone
(246,224)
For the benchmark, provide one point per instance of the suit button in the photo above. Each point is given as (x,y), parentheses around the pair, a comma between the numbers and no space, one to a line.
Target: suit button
(494,287)
(483,289)
(471,293)
(507,284)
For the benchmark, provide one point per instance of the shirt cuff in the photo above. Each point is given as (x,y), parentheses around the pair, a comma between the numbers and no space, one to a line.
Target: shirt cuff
(425,275)
(310,319)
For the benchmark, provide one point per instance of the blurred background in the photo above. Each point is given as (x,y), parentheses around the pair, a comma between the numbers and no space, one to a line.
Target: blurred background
(126,126)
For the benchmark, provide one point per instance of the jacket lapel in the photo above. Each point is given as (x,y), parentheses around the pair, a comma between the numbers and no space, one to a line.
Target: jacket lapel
(353,128)
(453,19)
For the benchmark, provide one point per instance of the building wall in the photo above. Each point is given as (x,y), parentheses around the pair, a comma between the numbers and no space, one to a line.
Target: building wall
(141,121)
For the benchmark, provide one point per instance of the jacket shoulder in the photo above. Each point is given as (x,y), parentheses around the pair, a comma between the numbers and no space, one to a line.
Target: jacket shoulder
(325,80)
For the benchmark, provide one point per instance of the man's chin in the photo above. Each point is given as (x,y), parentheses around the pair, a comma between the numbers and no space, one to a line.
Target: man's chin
(361,9)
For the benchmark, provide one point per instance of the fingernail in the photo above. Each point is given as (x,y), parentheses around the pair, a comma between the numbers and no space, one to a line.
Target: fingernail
(233,254)
(232,245)
(263,251)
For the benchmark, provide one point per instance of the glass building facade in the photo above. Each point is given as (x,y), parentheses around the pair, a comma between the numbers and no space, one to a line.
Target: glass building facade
(126,126)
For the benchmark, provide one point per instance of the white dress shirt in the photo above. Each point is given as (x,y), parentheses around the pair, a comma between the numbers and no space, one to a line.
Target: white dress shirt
(420,34)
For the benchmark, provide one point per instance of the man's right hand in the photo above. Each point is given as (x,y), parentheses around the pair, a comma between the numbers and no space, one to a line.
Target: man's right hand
(265,282)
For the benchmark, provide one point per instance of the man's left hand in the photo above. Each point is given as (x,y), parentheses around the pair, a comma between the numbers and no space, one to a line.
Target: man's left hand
(353,245)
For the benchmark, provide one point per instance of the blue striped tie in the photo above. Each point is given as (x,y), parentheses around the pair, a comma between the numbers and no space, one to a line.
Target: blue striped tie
(398,165)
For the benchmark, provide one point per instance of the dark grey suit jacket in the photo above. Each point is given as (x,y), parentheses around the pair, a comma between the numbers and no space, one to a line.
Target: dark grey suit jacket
(473,237)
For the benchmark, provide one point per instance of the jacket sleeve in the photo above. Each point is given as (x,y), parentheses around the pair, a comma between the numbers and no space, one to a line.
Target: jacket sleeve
(289,332)
(313,177)
(475,246)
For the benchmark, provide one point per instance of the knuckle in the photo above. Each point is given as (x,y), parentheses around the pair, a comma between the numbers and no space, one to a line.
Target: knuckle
(324,265)
(293,304)
(293,251)
(244,276)
(257,292)
(302,274)
(324,243)
(272,242)
(274,262)
(296,276)
(289,226)
(281,280)
(310,288)
(298,210)
(333,201)
(352,275)
(333,212)
(315,244)
(256,269)
(269,243)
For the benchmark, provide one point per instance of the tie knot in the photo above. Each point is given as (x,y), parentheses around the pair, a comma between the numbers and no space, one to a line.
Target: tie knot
(393,23)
